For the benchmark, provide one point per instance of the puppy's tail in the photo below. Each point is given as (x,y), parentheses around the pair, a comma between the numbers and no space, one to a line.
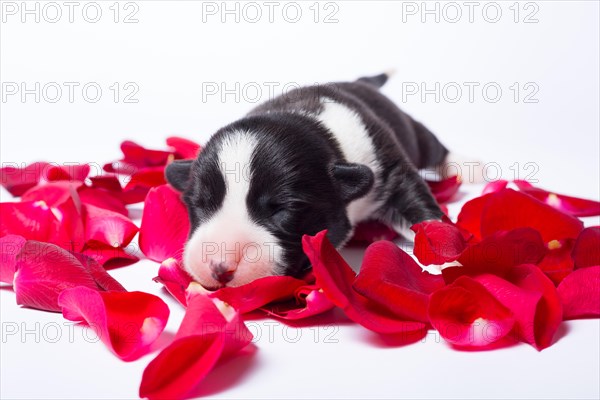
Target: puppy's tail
(377,80)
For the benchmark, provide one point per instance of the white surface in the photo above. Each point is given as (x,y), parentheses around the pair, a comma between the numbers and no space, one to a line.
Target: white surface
(171,52)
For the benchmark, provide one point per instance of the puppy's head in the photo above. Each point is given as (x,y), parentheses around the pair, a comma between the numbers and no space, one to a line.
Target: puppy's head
(255,189)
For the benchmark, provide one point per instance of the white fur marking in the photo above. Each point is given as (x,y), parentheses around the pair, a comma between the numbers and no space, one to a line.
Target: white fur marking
(357,147)
(230,235)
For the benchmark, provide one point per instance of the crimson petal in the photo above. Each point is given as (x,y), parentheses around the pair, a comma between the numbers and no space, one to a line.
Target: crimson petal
(18,180)
(108,182)
(495,186)
(165,224)
(109,256)
(467,315)
(103,199)
(469,217)
(31,219)
(391,277)
(205,336)
(558,263)
(146,178)
(335,277)
(532,298)
(75,172)
(368,232)
(52,193)
(127,322)
(66,229)
(508,209)
(259,292)
(44,270)
(174,278)
(10,246)
(574,206)
(444,190)
(108,227)
(184,148)
(586,251)
(309,301)
(571,205)
(35,220)
(580,293)
(498,252)
(99,274)
(136,156)
(437,242)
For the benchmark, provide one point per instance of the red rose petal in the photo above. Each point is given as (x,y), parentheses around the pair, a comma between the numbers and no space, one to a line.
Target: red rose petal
(508,209)
(523,304)
(165,224)
(558,263)
(571,205)
(469,217)
(74,172)
(108,227)
(18,180)
(99,274)
(466,314)
(437,242)
(536,306)
(181,366)
(134,194)
(335,277)
(109,256)
(146,178)
(10,246)
(174,278)
(580,293)
(494,186)
(52,193)
(204,337)
(136,156)
(259,292)
(444,190)
(56,193)
(309,301)
(31,219)
(206,314)
(44,270)
(368,232)
(549,310)
(586,251)
(140,183)
(142,157)
(390,277)
(498,252)
(102,199)
(505,249)
(127,322)
(574,206)
(66,228)
(109,183)
(34,220)
(184,148)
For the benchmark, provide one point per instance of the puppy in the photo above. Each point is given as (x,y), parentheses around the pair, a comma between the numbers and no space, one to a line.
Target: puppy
(319,157)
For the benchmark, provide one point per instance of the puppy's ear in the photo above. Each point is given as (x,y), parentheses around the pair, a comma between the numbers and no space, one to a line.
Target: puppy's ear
(354,180)
(177,173)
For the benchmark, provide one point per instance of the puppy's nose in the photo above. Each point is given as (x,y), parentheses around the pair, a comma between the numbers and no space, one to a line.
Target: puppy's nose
(222,271)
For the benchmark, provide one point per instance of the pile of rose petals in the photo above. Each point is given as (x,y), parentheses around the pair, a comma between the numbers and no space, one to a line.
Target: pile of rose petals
(513,266)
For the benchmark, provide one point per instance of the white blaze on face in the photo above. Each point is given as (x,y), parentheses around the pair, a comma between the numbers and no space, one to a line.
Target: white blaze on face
(230,237)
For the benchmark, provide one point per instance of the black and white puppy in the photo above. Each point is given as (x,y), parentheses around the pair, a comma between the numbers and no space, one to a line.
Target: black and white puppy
(319,157)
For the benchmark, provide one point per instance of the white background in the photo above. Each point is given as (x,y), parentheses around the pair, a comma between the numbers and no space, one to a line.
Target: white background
(174,51)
